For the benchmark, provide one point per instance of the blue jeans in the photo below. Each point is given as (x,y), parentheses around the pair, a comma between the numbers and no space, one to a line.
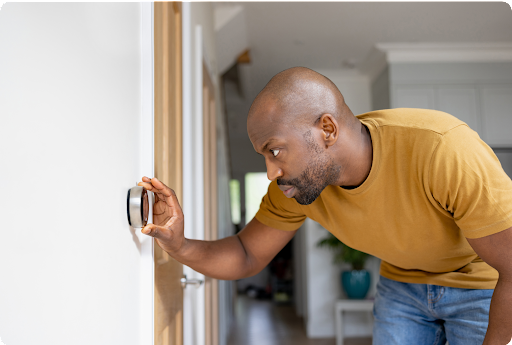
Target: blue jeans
(424,314)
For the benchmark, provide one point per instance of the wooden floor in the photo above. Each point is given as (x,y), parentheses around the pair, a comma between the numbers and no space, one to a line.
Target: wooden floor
(266,323)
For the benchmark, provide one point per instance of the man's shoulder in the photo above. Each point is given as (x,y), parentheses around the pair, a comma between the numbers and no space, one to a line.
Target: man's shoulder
(412,118)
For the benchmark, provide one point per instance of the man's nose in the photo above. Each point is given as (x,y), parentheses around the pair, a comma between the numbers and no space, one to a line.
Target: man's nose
(273,171)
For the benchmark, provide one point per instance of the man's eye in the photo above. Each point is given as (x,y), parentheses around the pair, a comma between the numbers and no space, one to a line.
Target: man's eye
(275,152)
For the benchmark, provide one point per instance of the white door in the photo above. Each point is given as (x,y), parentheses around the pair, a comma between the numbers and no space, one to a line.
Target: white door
(76,135)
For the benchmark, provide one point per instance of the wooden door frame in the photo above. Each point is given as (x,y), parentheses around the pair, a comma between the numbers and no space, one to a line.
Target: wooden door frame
(168,109)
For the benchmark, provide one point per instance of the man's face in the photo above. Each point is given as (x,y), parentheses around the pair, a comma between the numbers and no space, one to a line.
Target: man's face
(293,158)
(318,173)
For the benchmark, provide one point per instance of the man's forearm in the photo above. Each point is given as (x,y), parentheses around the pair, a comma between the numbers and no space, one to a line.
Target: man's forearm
(222,259)
(499,331)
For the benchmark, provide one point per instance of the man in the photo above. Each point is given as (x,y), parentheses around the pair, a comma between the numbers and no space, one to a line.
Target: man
(416,188)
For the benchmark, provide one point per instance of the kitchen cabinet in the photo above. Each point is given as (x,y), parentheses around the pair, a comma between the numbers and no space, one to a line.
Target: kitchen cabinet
(414,97)
(479,94)
(496,103)
(460,101)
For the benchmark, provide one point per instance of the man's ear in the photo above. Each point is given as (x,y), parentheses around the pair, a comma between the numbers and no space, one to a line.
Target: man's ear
(330,130)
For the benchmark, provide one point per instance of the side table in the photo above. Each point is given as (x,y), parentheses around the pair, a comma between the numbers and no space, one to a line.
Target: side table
(344,305)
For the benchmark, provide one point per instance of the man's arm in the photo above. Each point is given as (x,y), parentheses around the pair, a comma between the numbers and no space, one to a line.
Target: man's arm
(234,257)
(496,250)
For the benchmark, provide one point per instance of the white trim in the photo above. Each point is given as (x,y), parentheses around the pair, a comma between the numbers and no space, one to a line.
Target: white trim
(193,175)
(187,122)
(446,52)
(198,294)
(452,55)
(387,53)
(208,64)
(146,299)
(188,166)
(198,137)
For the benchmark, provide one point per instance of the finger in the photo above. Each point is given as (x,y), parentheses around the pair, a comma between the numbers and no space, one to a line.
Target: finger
(162,188)
(149,186)
(164,193)
(155,231)
(146,185)
(168,195)
(146,180)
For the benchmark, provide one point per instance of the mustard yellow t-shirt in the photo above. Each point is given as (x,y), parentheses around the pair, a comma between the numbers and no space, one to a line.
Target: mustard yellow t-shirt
(432,183)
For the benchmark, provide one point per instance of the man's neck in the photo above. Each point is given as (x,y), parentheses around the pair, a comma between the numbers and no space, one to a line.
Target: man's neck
(361,160)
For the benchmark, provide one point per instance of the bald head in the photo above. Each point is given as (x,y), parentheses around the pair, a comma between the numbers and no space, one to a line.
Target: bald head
(309,137)
(299,96)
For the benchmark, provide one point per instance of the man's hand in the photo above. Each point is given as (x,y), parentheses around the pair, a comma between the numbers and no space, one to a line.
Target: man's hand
(168,220)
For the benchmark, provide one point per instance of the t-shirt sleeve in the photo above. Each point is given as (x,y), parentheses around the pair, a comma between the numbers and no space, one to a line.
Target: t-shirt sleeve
(278,211)
(467,180)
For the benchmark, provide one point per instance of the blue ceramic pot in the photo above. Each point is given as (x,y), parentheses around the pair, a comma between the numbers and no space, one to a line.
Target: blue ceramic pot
(356,283)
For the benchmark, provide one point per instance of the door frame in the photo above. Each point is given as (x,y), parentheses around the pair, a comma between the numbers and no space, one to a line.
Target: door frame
(168,141)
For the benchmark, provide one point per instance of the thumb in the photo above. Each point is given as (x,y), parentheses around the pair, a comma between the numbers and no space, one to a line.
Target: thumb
(155,231)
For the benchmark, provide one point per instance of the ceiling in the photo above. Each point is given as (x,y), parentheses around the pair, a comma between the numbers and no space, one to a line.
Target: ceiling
(340,35)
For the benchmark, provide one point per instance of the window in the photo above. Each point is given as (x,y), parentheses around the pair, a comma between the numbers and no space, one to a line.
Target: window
(256,185)
(234,193)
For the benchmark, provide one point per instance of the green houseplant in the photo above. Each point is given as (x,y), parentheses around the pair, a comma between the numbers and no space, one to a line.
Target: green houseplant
(356,282)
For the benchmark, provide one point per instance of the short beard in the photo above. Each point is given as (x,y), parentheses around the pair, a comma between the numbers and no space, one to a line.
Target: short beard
(319,173)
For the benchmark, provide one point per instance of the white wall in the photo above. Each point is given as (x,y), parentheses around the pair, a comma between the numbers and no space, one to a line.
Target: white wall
(70,105)
(354,86)
(322,287)
(231,34)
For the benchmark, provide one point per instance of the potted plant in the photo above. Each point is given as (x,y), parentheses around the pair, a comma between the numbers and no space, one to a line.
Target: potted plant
(356,282)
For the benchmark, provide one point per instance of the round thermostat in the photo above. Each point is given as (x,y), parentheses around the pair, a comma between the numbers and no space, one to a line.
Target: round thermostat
(138,207)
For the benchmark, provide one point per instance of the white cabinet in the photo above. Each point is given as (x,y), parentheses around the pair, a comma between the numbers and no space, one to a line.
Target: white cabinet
(414,97)
(461,102)
(479,94)
(496,103)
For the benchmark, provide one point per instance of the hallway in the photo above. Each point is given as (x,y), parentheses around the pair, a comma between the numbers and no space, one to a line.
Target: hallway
(262,322)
